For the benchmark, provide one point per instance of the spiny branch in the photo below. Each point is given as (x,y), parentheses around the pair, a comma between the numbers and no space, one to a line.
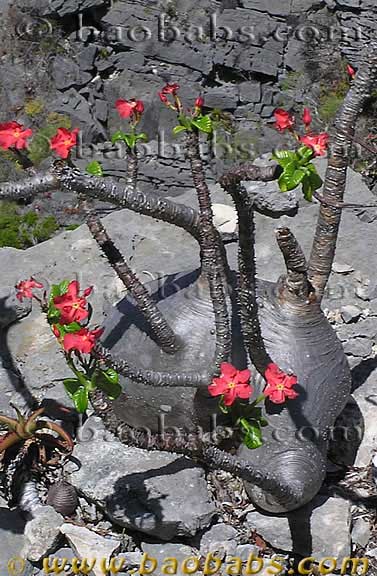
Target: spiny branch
(324,243)
(247,276)
(213,256)
(295,261)
(162,332)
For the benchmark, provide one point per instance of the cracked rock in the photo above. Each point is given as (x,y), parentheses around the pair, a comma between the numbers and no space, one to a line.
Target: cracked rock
(153,492)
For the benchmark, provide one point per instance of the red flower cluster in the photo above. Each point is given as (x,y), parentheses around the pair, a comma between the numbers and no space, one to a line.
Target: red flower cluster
(232,384)
(63,141)
(286,121)
(279,384)
(129,108)
(72,306)
(13,135)
(25,288)
(83,340)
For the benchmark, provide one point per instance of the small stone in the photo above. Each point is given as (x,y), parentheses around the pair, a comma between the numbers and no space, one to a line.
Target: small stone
(42,533)
(363,292)
(342,268)
(243,551)
(361,532)
(220,538)
(88,544)
(350,313)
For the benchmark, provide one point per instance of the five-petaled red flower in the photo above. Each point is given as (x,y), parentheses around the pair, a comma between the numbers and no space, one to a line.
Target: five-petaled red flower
(83,341)
(279,384)
(25,288)
(351,71)
(127,108)
(284,120)
(13,135)
(317,142)
(232,384)
(307,117)
(72,306)
(63,141)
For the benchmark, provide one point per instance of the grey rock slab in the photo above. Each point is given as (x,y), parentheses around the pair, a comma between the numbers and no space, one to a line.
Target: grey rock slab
(326,519)
(273,7)
(11,536)
(165,553)
(88,544)
(358,346)
(361,532)
(67,73)
(153,492)
(42,533)
(220,539)
(250,92)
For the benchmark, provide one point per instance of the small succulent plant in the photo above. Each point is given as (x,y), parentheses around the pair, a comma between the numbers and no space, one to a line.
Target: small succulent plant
(33,429)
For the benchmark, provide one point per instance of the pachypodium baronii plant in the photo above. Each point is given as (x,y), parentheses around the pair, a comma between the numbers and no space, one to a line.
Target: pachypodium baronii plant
(68,313)
(287,322)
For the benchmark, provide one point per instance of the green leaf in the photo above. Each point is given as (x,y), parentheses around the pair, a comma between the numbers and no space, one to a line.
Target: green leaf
(203,123)
(291,179)
(71,386)
(252,434)
(94,168)
(178,129)
(109,385)
(284,155)
(53,314)
(72,328)
(111,375)
(81,399)
(63,287)
(142,136)
(305,153)
(119,135)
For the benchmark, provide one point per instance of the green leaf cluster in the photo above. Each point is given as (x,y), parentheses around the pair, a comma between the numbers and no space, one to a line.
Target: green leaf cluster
(298,169)
(130,139)
(202,123)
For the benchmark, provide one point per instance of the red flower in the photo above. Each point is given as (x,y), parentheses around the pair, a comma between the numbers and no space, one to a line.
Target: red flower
(82,341)
(163,98)
(307,117)
(351,71)
(279,384)
(284,120)
(25,288)
(170,89)
(199,102)
(318,143)
(127,108)
(13,134)
(63,141)
(73,307)
(232,384)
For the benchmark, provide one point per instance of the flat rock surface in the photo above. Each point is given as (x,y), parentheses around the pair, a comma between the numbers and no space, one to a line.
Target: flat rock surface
(154,492)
